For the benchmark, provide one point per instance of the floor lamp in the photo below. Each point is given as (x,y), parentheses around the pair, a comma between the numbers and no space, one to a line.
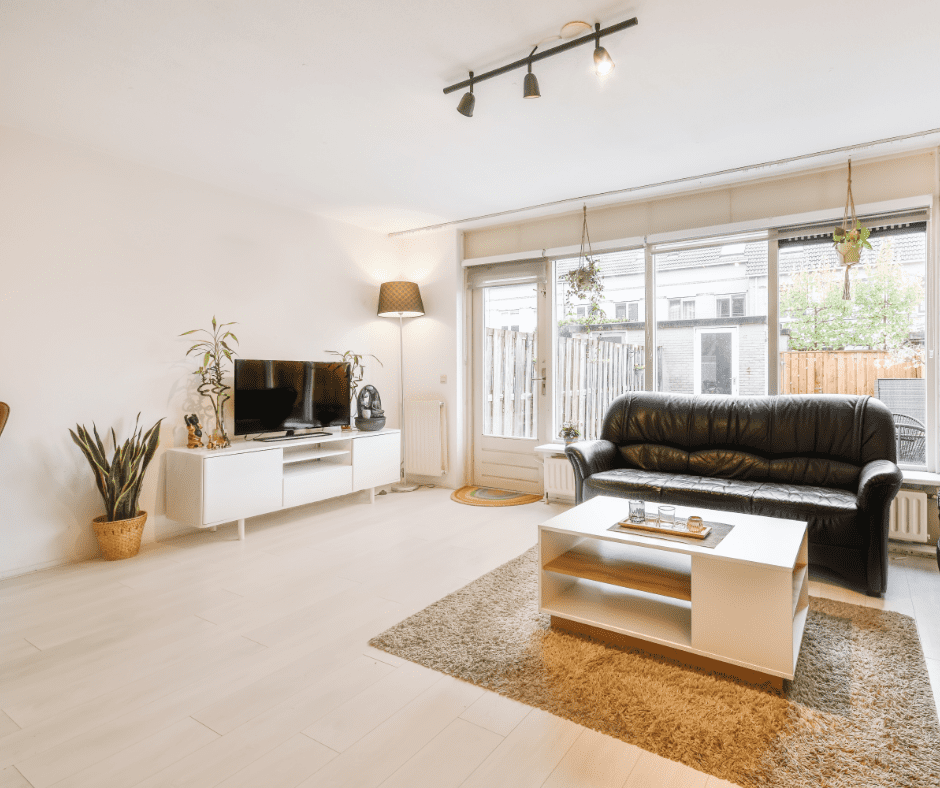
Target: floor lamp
(401,299)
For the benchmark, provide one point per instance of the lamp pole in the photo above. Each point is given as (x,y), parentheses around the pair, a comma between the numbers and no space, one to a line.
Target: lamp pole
(402,486)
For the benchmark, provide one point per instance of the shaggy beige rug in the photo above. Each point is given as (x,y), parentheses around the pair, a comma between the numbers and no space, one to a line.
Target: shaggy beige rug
(859,713)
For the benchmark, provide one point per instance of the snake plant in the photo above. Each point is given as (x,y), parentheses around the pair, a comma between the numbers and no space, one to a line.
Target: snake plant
(119,480)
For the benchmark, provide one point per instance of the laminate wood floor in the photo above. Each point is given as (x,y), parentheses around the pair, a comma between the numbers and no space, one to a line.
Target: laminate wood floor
(206,661)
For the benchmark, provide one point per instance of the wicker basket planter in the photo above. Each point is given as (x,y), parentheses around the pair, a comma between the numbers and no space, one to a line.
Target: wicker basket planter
(119,538)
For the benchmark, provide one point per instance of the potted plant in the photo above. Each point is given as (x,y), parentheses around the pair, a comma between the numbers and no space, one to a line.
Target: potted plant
(213,351)
(118,531)
(356,370)
(570,432)
(586,282)
(849,243)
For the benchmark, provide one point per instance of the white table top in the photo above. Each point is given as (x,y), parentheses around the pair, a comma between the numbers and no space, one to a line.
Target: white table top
(755,539)
(240,445)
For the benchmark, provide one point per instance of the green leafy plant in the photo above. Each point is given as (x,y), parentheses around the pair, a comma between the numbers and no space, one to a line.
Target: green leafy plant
(213,350)
(848,241)
(585,283)
(569,431)
(356,368)
(119,481)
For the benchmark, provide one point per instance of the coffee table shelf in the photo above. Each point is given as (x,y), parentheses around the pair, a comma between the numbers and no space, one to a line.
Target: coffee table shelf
(743,603)
(666,574)
(626,611)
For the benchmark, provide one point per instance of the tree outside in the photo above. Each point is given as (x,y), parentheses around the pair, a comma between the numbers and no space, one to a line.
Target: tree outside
(879,316)
(885,302)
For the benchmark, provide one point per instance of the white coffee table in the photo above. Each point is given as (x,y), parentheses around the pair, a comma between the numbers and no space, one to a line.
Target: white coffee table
(739,607)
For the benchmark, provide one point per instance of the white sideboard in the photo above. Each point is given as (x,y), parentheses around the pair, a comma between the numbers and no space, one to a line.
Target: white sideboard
(207,488)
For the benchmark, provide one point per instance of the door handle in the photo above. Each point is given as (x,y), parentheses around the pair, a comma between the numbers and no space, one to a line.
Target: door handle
(543,379)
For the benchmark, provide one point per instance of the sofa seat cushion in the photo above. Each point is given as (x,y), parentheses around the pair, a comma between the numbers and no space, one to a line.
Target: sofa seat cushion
(832,514)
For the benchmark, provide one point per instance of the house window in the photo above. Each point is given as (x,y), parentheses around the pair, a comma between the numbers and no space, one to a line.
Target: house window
(620,310)
(633,311)
(730,306)
(681,310)
(581,311)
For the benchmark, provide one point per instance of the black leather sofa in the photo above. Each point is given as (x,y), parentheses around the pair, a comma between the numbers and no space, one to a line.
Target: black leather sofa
(826,459)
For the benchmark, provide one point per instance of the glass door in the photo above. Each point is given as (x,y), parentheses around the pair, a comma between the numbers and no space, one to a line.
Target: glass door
(716,361)
(510,382)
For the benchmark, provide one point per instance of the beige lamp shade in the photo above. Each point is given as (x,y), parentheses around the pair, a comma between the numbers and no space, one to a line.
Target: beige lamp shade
(400,299)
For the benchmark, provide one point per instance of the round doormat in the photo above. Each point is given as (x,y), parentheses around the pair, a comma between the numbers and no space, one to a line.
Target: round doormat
(859,713)
(487,496)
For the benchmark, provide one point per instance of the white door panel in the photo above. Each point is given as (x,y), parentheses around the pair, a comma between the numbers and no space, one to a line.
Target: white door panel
(511,367)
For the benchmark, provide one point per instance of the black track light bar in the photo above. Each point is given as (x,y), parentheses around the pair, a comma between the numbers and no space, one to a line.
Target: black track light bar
(591,37)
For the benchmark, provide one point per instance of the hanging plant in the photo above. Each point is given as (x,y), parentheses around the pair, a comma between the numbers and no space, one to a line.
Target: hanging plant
(585,283)
(850,238)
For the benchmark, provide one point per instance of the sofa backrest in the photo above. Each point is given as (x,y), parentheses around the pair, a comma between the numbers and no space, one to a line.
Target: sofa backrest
(814,439)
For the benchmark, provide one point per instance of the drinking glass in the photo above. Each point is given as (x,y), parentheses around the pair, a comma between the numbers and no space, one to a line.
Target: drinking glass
(637,512)
(667,515)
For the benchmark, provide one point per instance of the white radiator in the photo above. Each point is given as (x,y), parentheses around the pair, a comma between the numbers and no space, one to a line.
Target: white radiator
(907,520)
(559,478)
(425,437)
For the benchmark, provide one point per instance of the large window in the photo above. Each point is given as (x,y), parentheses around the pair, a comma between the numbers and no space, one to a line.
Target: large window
(711,336)
(871,343)
(599,351)
(712,332)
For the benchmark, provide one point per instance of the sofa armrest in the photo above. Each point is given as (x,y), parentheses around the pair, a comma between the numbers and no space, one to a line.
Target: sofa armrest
(878,483)
(587,458)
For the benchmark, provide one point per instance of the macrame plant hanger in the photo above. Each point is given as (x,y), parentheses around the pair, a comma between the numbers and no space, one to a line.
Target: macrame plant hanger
(585,261)
(850,252)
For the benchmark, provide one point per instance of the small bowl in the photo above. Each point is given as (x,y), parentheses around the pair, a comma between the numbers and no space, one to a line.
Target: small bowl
(695,524)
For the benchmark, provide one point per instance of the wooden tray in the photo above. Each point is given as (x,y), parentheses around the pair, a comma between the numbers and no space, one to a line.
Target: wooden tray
(678,529)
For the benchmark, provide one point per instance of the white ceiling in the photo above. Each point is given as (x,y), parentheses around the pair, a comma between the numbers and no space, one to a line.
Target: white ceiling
(337,108)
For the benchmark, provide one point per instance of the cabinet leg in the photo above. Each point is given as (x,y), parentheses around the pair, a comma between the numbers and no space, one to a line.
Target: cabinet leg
(372,495)
(241,530)
(214,528)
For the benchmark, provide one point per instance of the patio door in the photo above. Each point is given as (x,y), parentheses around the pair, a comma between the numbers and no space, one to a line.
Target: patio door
(716,360)
(511,376)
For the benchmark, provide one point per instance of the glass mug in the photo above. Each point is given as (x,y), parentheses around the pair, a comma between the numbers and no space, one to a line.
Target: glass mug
(667,515)
(637,512)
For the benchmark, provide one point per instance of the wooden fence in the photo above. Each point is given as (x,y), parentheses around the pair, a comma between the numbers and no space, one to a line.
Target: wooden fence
(509,408)
(591,374)
(840,371)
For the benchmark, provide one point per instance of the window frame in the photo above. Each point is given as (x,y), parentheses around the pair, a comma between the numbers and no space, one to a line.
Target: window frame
(924,209)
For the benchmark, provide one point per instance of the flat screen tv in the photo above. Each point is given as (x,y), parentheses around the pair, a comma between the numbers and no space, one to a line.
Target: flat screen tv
(276,396)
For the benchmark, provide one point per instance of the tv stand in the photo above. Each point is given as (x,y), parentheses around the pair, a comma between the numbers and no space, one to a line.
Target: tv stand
(206,488)
(290,436)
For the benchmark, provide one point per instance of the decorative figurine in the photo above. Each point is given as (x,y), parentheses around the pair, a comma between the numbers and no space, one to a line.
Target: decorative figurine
(195,431)
(369,408)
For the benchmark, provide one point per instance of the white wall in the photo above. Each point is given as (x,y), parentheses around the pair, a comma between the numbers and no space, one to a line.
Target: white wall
(104,263)
(433,344)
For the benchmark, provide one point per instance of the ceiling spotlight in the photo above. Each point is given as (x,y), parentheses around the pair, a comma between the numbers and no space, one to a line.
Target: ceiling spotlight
(465,107)
(530,86)
(603,63)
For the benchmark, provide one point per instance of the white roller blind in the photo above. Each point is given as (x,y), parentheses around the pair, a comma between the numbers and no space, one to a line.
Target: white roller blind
(517,273)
